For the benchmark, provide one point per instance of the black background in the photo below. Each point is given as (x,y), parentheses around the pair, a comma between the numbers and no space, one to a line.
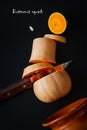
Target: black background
(25,111)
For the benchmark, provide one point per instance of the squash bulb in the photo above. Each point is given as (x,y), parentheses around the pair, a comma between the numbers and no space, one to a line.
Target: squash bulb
(53,86)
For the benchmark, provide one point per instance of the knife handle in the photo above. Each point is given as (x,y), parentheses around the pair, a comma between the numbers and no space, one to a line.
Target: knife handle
(15,89)
(22,85)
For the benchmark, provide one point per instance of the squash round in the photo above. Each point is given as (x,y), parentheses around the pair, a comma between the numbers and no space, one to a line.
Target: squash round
(57,38)
(43,50)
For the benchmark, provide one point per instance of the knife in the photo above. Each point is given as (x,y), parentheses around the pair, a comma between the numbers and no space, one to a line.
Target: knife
(25,84)
(66,64)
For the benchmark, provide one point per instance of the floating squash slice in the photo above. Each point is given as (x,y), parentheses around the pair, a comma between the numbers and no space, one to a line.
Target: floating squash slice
(57,23)
(57,38)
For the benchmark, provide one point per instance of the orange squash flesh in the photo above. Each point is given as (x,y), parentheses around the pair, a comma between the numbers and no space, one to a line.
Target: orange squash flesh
(57,23)
(40,70)
(35,68)
(44,72)
(35,72)
(46,61)
(58,67)
(41,74)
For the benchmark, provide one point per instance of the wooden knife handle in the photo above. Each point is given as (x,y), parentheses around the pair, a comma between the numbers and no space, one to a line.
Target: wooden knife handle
(22,85)
(15,88)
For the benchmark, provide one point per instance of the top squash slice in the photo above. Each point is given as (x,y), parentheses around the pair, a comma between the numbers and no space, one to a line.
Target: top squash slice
(57,23)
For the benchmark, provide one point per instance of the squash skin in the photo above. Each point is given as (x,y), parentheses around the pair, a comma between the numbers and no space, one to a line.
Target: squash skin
(43,50)
(53,86)
(57,38)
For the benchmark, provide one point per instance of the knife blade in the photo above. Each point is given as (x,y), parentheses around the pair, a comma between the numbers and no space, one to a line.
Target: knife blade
(66,64)
(25,84)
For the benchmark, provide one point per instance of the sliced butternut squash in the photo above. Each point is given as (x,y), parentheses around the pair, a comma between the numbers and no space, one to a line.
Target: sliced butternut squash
(43,50)
(57,38)
(57,23)
(35,68)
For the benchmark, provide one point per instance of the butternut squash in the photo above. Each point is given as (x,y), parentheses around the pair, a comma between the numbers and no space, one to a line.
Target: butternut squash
(57,38)
(53,86)
(35,68)
(57,23)
(43,50)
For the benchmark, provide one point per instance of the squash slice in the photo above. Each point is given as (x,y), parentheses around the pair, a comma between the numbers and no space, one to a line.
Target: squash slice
(57,23)
(43,50)
(57,38)
(35,68)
